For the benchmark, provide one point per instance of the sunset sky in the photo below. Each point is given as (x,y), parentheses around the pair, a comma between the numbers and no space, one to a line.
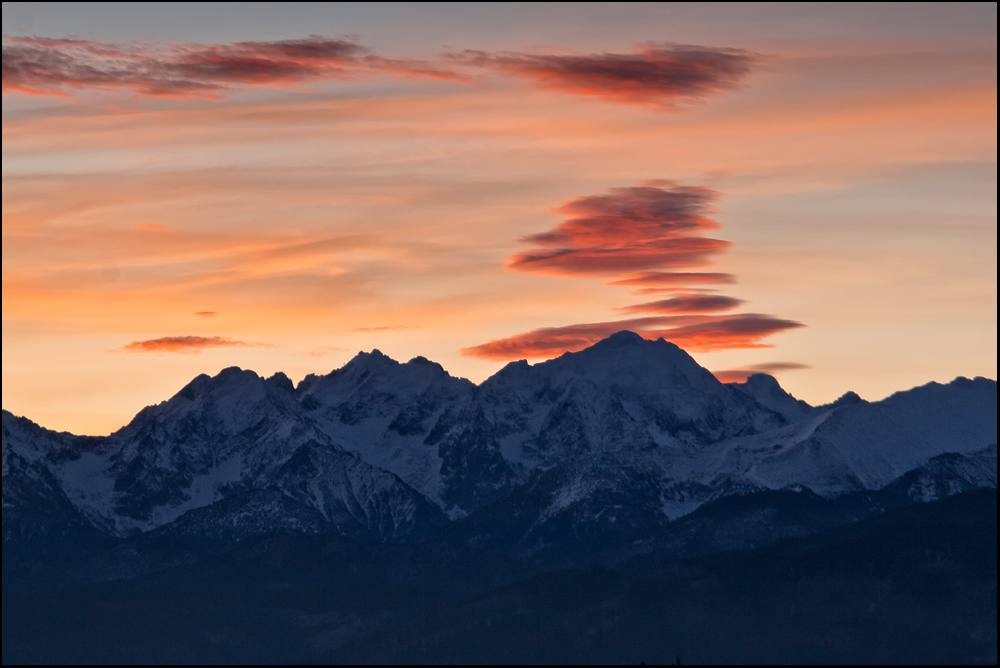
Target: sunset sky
(804,190)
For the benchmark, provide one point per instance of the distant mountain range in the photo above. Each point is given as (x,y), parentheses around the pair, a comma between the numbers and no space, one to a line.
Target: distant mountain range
(597,450)
(618,504)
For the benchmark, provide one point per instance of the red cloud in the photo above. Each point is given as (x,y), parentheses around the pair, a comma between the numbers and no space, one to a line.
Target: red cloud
(695,333)
(740,375)
(183,344)
(686,304)
(42,66)
(657,75)
(629,233)
(624,231)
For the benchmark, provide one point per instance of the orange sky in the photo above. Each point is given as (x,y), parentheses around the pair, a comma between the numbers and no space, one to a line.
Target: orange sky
(286,211)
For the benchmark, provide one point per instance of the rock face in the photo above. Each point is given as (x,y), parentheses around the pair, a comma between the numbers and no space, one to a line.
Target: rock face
(617,440)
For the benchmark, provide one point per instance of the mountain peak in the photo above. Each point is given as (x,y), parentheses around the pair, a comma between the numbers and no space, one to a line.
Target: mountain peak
(282,381)
(848,398)
(763,381)
(229,376)
(766,390)
(376,360)
(621,339)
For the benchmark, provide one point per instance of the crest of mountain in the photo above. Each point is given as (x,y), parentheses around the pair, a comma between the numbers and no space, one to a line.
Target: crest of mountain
(619,439)
(219,438)
(865,446)
(767,392)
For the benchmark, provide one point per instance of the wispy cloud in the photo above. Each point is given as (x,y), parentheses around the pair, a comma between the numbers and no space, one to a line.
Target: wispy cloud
(663,278)
(695,333)
(43,66)
(771,368)
(686,304)
(206,314)
(630,234)
(382,328)
(657,75)
(323,351)
(625,231)
(149,227)
(185,344)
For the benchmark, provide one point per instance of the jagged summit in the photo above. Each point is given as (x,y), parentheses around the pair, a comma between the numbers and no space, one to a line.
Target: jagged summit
(282,381)
(766,390)
(849,398)
(621,339)
(630,362)
(372,362)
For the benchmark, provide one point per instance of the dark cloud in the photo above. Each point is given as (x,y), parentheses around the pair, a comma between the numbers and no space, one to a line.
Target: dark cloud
(43,66)
(625,231)
(771,368)
(695,333)
(184,344)
(686,304)
(658,75)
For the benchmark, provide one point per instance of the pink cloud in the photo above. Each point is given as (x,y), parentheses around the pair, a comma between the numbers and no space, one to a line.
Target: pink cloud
(695,333)
(184,344)
(657,75)
(631,234)
(661,278)
(771,368)
(625,231)
(41,66)
(686,304)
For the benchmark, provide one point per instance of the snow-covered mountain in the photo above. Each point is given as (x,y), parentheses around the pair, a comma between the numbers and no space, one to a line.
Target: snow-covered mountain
(217,439)
(619,439)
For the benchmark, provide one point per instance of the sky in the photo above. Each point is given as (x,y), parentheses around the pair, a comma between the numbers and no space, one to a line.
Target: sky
(796,189)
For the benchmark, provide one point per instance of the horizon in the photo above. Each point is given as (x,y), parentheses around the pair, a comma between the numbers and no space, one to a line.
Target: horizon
(798,190)
(296,385)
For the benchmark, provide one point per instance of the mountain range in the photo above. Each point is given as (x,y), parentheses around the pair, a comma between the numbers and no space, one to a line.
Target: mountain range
(609,445)
(611,505)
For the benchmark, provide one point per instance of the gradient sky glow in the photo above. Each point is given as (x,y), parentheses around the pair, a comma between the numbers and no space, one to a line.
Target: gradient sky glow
(804,190)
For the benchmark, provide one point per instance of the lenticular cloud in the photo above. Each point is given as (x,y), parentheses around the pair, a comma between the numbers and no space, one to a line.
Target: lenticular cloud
(693,333)
(740,375)
(183,344)
(639,237)
(625,231)
(657,75)
(41,66)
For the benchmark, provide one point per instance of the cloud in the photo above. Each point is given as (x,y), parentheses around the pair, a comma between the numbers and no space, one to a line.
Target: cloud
(184,344)
(41,66)
(149,227)
(629,234)
(694,333)
(206,314)
(658,75)
(625,231)
(771,368)
(686,304)
(670,278)
(383,328)
(323,351)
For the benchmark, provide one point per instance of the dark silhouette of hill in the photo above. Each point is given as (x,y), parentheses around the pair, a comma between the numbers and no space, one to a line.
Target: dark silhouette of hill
(914,584)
